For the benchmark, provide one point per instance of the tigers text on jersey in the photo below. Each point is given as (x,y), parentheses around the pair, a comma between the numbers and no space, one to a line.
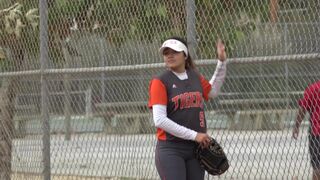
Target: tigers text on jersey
(183,98)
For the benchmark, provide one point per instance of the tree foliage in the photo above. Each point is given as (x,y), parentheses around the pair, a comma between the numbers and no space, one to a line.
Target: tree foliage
(18,29)
(141,20)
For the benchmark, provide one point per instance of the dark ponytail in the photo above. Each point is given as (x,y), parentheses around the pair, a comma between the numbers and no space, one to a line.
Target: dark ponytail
(189,62)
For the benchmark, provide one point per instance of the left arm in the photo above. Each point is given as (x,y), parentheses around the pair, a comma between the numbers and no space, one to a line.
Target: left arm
(217,79)
(219,75)
(301,114)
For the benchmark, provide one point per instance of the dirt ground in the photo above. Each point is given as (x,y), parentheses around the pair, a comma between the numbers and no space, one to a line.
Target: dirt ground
(25,176)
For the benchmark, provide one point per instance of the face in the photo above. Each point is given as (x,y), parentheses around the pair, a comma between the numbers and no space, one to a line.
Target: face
(174,60)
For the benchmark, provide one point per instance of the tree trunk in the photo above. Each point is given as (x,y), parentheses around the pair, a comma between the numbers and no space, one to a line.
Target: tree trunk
(7,108)
(176,10)
(274,6)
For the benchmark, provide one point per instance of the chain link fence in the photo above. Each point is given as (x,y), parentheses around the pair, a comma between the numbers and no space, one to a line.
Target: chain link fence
(75,76)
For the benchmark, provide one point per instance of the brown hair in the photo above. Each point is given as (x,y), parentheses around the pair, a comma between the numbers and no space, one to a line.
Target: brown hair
(189,61)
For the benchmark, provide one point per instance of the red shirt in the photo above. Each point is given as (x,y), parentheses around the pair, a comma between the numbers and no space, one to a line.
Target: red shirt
(311,103)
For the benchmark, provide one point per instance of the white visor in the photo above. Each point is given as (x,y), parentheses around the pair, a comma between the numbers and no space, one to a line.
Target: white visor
(175,45)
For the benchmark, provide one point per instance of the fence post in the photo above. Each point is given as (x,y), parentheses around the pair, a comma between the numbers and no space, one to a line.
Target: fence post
(88,102)
(102,64)
(67,93)
(286,68)
(191,28)
(43,9)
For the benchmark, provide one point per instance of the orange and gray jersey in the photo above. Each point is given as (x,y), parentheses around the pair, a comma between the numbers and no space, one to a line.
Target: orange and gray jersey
(183,98)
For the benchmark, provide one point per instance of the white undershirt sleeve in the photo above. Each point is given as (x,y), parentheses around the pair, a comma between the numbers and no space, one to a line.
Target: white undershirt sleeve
(162,121)
(218,78)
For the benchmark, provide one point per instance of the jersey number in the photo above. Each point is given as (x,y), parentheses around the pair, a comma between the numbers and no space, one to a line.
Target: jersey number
(201,117)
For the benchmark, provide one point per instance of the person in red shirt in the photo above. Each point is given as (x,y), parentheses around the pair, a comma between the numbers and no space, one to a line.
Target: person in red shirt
(176,97)
(311,103)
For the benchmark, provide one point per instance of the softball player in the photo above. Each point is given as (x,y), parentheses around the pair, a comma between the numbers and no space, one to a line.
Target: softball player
(176,98)
(311,103)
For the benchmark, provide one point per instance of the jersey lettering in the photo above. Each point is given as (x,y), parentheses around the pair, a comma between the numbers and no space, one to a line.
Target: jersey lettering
(187,100)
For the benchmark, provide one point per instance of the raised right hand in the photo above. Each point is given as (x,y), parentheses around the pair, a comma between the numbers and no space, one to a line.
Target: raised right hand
(221,50)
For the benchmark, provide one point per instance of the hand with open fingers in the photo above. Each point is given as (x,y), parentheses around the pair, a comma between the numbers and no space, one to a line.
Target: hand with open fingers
(203,139)
(221,50)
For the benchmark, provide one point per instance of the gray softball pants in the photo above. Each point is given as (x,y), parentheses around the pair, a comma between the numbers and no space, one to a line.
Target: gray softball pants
(176,161)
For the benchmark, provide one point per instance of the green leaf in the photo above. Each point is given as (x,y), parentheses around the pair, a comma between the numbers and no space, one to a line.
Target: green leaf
(18,28)
(162,11)
(2,54)
(32,16)
(133,29)
(149,13)
(8,25)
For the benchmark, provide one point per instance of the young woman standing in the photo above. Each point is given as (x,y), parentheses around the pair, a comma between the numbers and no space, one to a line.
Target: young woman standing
(176,98)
